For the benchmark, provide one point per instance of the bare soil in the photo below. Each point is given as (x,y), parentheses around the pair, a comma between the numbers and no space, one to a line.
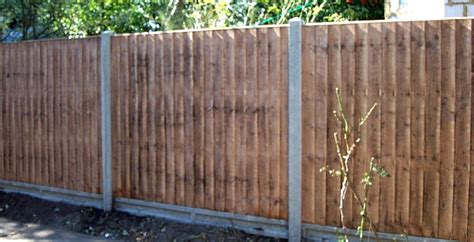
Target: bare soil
(111,225)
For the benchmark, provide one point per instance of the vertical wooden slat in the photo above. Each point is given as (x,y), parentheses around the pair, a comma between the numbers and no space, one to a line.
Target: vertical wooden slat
(471,175)
(262,121)
(462,128)
(388,127)
(152,113)
(43,172)
(125,106)
(3,110)
(189,174)
(334,81)
(209,181)
(9,119)
(5,75)
(402,211)
(65,114)
(87,119)
(321,138)
(161,125)
(179,117)
(308,119)
(57,116)
(168,69)
(361,106)
(96,117)
(35,132)
(134,95)
(44,93)
(87,85)
(251,108)
(23,142)
(199,115)
(79,115)
(72,116)
(274,119)
(432,127)
(229,120)
(347,90)
(116,116)
(50,112)
(240,121)
(12,124)
(21,61)
(219,132)
(417,132)
(115,109)
(142,125)
(373,123)
(284,124)
(16,135)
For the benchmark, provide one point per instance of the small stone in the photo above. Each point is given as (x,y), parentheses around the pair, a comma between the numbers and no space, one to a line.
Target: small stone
(56,210)
(6,206)
(124,233)
(163,229)
(3,233)
(107,235)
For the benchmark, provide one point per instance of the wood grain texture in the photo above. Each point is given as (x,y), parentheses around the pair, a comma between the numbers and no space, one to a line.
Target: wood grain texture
(462,128)
(403,142)
(388,127)
(41,103)
(433,128)
(417,115)
(448,92)
(324,113)
(308,118)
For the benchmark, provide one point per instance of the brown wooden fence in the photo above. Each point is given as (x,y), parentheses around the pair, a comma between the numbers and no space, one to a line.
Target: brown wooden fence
(200,119)
(50,102)
(420,74)
(202,115)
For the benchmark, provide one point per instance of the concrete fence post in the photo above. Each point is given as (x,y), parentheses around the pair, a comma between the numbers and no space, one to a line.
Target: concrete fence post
(106,120)
(294,130)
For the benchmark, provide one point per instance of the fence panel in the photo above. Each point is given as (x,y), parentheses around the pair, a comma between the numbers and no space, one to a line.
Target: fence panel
(199,119)
(50,113)
(420,75)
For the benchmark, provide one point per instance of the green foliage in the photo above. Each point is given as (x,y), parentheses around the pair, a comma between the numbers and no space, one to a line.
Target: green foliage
(91,17)
(34,19)
(243,13)
(72,18)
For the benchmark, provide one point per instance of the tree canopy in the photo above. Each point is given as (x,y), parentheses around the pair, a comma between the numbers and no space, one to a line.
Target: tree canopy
(35,19)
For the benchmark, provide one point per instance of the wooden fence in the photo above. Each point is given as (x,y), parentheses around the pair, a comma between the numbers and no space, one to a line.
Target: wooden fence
(50,123)
(200,119)
(202,115)
(420,75)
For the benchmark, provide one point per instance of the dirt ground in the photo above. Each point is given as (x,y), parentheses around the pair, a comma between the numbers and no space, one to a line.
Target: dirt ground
(111,225)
